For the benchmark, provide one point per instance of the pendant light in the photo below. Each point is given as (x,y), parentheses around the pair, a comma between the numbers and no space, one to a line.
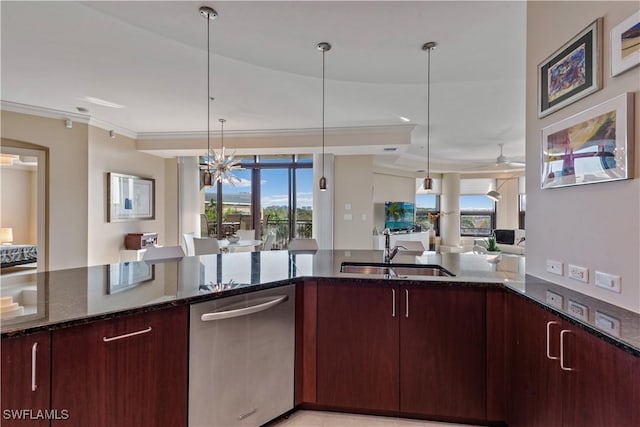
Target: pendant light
(221,165)
(428,46)
(209,14)
(324,47)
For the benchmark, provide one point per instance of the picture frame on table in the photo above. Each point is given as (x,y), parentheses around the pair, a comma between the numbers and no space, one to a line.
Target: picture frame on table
(571,72)
(130,198)
(625,45)
(593,146)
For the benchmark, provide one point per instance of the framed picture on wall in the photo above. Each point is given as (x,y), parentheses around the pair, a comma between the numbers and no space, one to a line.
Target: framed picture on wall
(625,45)
(131,198)
(593,146)
(571,72)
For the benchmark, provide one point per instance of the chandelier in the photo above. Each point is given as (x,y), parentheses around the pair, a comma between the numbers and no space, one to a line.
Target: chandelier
(218,163)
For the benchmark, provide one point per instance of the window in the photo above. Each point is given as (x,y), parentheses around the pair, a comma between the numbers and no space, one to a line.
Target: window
(275,194)
(427,204)
(477,215)
(522,208)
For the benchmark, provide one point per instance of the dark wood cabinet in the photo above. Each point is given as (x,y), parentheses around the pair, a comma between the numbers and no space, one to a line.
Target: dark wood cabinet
(357,347)
(26,373)
(443,352)
(128,371)
(599,388)
(535,397)
(585,382)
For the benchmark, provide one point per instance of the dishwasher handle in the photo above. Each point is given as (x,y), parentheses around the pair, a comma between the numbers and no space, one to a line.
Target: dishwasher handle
(244,311)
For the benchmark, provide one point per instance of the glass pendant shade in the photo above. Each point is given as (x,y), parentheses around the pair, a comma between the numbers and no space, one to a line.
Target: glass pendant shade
(206,179)
(428,183)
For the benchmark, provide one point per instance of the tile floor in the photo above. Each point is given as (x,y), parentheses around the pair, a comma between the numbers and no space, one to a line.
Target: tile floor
(334,419)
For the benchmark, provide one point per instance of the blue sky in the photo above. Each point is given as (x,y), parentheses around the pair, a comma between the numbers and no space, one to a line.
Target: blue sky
(274,189)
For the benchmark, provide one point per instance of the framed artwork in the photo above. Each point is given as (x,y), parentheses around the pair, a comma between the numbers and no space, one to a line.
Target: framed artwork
(593,146)
(128,275)
(625,45)
(572,72)
(131,198)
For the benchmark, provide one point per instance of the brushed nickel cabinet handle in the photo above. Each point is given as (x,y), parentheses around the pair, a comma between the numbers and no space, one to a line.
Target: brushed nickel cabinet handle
(406,303)
(393,303)
(549,356)
(131,334)
(34,359)
(562,333)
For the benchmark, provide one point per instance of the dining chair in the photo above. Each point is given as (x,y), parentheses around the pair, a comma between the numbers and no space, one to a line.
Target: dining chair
(188,243)
(246,234)
(205,245)
(267,245)
(204,226)
(303,245)
(163,253)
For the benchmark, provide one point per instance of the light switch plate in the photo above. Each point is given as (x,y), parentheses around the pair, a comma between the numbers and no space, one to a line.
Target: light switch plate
(577,272)
(608,323)
(348,217)
(578,310)
(554,300)
(607,281)
(554,267)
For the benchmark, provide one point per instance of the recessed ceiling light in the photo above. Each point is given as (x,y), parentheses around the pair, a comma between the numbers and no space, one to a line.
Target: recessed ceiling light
(420,171)
(389,149)
(82,110)
(102,102)
(404,119)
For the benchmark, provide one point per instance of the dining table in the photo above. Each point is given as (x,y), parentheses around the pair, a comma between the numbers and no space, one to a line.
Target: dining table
(239,246)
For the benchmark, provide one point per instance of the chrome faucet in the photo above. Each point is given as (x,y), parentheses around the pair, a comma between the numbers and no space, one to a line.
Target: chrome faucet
(389,253)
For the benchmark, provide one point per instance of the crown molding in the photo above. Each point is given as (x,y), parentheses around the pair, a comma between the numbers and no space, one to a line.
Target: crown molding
(351,130)
(51,113)
(92,121)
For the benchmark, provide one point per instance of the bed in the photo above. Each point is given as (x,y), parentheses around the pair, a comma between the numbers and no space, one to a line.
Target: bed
(17,255)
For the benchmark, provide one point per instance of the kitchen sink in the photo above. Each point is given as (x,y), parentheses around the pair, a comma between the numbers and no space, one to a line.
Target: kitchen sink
(394,269)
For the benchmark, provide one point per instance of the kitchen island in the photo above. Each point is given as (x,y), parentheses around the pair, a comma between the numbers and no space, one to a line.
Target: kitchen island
(482,306)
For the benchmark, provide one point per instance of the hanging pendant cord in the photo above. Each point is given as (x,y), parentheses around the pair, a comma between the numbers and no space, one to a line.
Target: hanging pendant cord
(208,99)
(428,106)
(323,52)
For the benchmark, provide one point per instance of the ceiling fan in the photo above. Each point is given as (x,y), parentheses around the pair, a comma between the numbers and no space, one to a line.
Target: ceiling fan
(501,163)
(503,160)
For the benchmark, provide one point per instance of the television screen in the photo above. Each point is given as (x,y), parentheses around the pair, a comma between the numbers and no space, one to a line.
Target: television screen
(399,215)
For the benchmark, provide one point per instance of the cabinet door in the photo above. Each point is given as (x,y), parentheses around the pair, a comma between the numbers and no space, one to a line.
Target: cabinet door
(128,371)
(535,392)
(443,352)
(599,390)
(357,360)
(26,380)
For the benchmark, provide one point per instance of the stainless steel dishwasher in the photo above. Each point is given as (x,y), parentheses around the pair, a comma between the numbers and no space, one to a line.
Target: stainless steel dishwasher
(241,358)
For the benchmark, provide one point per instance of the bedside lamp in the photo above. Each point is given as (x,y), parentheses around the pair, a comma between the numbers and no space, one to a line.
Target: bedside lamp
(6,235)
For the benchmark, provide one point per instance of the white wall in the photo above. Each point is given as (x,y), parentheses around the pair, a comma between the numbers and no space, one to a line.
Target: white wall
(17,202)
(353,186)
(105,239)
(595,226)
(390,188)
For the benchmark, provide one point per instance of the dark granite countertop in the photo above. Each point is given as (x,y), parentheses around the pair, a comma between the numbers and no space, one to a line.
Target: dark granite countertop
(64,298)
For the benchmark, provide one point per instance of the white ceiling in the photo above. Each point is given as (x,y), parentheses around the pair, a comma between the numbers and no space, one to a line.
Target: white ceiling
(150,57)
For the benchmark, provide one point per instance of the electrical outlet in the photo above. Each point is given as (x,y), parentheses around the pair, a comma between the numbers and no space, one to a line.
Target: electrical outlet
(579,273)
(554,267)
(578,310)
(554,300)
(608,323)
(607,281)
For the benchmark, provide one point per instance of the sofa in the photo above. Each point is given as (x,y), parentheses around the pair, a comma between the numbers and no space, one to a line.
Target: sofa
(511,241)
